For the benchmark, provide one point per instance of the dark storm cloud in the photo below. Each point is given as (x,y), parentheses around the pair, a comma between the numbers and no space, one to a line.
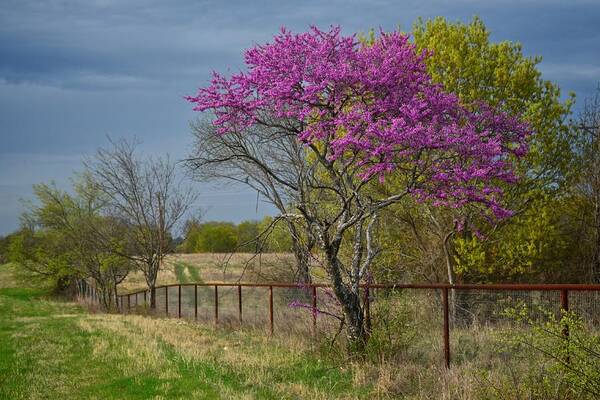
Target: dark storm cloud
(73,72)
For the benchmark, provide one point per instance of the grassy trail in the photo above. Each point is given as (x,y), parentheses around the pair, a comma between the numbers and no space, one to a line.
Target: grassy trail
(56,350)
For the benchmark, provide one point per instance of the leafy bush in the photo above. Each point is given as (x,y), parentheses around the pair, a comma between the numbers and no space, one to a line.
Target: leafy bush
(392,328)
(563,354)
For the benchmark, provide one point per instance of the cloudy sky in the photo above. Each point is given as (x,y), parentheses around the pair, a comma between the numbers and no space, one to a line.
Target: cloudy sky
(72,73)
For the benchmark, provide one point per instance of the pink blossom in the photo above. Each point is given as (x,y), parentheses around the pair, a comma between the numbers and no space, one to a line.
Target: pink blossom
(375,103)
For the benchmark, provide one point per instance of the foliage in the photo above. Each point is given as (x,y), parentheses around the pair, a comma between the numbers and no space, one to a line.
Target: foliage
(392,328)
(68,237)
(247,234)
(265,236)
(46,254)
(364,112)
(466,63)
(531,246)
(216,237)
(442,243)
(572,359)
(277,237)
(376,102)
(4,246)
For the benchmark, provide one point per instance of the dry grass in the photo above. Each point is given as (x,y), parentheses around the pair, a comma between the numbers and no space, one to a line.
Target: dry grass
(215,267)
(133,356)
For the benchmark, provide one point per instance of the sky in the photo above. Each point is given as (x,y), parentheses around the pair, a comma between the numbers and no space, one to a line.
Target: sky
(74,73)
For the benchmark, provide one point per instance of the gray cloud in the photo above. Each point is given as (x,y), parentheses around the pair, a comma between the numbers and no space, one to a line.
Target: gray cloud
(73,72)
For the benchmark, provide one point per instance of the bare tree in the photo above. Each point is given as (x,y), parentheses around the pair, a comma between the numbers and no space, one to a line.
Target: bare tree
(272,162)
(150,199)
(588,184)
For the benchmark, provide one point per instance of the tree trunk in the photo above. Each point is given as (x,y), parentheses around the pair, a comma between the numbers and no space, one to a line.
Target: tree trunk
(153,297)
(357,334)
(302,263)
(451,276)
(595,270)
(349,297)
(151,275)
(117,305)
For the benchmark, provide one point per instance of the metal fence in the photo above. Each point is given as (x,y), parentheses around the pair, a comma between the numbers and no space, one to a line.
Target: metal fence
(313,310)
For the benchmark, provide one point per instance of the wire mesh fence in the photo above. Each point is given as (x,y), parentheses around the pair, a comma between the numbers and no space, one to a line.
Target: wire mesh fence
(442,317)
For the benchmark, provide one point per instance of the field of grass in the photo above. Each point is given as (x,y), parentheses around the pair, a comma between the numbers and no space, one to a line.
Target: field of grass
(216,267)
(55,349)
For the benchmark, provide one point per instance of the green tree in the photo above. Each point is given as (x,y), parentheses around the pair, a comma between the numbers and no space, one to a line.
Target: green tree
(247,236)
(277,236)
(190,234)
(46,254)
(216,237)
(467,63)
(70,237)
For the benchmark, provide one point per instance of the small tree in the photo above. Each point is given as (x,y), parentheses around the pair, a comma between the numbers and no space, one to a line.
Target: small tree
(69,237)
(361,113)
(588,182)
(148,197)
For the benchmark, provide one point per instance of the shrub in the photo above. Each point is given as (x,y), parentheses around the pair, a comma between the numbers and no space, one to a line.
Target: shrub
(563,353)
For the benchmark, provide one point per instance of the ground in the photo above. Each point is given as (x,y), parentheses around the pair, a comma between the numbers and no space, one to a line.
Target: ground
(55,349)
(51,348)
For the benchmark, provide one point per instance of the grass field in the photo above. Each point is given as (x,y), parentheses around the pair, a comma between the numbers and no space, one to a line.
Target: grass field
(214,267)
(53,349)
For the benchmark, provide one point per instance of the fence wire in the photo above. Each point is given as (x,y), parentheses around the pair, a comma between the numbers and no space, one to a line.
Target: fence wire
(413,321)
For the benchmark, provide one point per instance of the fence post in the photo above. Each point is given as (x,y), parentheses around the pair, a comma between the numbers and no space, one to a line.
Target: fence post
(564,308)
(446,329)
(216,305)
(167,300)
(145,301)
(179,302)
(196,302)
(271,310)
(240,303)
(314,309)
(129,302)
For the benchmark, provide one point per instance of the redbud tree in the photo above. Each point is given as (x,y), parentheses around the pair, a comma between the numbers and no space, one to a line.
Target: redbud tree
(363,113)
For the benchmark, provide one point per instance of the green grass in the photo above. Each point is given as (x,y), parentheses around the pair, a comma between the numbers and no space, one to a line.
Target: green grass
(180,272)
(194,273)
(186,273)
(55,349)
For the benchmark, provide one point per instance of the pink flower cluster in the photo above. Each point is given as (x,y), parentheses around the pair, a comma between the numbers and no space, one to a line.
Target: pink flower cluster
(376,105)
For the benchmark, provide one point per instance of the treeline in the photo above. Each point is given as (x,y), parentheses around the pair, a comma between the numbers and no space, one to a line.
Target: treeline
(118,216)
(265,236)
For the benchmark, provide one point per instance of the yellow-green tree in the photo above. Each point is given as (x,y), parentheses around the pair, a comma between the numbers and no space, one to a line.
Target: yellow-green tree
(447,243)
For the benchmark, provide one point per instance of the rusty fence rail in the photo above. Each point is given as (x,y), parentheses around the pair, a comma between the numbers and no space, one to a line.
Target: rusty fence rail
(556,295)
